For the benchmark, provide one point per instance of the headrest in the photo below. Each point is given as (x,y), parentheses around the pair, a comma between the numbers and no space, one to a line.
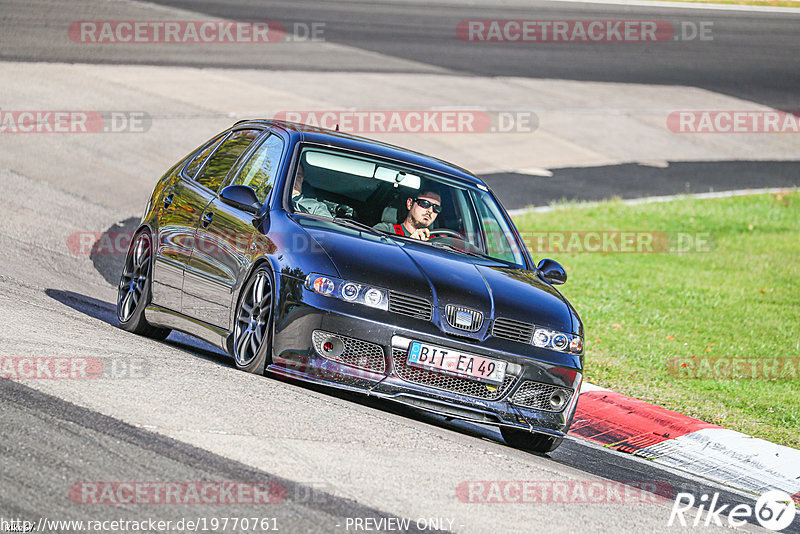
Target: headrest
(389,215)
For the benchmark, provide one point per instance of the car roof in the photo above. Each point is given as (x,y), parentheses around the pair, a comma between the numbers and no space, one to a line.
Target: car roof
(313,134)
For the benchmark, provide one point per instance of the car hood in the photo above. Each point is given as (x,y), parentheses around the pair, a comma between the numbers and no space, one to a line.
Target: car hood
(445,277)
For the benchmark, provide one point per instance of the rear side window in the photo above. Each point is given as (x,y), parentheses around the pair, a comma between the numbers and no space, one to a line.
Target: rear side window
(214,171)
(201,156)
(261,168)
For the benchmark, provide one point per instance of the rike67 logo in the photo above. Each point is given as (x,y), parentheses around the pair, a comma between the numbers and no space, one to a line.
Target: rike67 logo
(774,510)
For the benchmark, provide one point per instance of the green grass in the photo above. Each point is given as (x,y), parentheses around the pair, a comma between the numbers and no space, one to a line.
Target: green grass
(739,299)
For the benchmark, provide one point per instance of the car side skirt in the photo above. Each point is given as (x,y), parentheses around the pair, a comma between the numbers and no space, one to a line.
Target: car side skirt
(160,316)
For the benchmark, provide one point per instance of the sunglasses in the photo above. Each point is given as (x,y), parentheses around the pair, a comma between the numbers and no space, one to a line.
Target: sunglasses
(425,204)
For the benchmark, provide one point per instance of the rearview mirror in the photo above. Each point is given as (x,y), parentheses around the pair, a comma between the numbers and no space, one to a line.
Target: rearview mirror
(397,177)
(242,197)
(357,167)
(343,164)
(552,272)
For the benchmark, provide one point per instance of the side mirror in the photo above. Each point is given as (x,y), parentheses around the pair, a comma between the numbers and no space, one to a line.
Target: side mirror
(242,197)
(552,272)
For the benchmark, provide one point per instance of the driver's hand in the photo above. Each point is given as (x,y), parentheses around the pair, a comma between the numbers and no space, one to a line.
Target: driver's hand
(421,233)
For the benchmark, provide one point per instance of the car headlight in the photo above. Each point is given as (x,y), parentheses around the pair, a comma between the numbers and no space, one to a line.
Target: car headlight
(348,291)
(552,339)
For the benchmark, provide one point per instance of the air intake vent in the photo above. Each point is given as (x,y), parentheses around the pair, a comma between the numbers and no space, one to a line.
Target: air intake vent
(416,307)
(539,396)
(512,330)
(350,351)
(464,318)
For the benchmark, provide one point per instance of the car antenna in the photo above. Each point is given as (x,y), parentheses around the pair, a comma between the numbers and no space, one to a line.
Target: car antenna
(337,126)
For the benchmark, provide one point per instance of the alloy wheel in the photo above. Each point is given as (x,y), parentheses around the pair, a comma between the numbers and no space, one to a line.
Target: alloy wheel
(134,278)
(253,319)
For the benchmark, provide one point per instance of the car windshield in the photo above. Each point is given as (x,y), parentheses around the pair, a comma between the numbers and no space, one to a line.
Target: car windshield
(395,200)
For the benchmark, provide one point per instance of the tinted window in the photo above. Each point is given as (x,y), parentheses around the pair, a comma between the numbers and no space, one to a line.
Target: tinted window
(213,173)
(201,156)
(261,168)
(376,193)
(500,241)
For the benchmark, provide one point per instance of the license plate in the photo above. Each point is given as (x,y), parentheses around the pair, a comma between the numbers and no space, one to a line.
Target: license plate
(456,363)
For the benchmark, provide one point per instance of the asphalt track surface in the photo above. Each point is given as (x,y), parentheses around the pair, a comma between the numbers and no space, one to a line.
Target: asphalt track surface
(630,180)
(751,56)
(754,56)
(190,416)
(752,59)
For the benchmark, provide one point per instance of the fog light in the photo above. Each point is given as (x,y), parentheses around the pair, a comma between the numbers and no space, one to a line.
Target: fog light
(330,346)
(558,399)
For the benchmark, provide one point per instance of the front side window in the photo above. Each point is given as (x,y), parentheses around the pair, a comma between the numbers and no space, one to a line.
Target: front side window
(216,168)
(261,168)
(500,242)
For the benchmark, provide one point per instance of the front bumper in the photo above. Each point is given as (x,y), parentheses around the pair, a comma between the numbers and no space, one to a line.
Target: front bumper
(371,359)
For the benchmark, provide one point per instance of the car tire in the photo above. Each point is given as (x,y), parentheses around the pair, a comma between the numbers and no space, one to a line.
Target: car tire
(529,441)
(252,331)
(134,289)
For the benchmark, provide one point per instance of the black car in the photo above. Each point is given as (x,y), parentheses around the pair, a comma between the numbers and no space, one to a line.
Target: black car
(343,261)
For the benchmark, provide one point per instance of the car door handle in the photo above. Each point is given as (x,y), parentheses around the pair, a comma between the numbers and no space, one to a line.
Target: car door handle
(207,218)
(168,200)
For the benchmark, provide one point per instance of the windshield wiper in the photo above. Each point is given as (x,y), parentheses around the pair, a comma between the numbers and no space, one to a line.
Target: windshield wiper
(356,224)
(468,252)
(439,244)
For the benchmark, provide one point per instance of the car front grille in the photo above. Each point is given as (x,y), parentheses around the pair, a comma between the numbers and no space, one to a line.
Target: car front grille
(357,353)
(416,307)
(454,384)
(472,322)
(512,330)
(536,395)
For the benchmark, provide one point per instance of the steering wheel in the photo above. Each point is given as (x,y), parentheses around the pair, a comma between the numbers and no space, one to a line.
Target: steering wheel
(446,232)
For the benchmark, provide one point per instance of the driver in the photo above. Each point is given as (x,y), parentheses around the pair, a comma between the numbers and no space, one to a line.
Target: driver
(422,211)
